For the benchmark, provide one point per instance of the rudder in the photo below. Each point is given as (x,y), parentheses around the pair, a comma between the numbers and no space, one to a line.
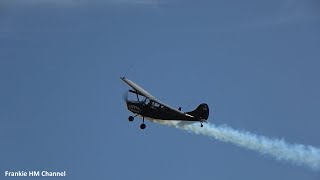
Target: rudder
(201,112)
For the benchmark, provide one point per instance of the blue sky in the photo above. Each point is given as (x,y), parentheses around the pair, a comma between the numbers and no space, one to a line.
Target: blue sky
(255,63)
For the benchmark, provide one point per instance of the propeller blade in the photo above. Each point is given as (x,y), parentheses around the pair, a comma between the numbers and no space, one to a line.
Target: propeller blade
(125,96)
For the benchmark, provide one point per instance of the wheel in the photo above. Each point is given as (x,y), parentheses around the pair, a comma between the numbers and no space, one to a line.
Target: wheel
(142,126)
(201,125)
(131,118)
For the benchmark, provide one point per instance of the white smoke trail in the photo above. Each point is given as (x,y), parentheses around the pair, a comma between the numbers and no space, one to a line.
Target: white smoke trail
(281,150)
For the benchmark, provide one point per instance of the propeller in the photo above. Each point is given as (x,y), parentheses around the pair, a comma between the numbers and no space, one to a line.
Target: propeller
(125,97)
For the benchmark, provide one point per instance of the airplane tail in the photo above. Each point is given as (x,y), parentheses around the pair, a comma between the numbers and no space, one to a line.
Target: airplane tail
(201,112)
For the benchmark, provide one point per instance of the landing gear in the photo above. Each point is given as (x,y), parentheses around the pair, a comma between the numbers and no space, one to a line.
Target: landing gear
(201,125)
(143,125)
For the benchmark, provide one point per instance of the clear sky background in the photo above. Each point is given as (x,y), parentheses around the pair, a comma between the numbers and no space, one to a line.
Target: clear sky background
(256,63)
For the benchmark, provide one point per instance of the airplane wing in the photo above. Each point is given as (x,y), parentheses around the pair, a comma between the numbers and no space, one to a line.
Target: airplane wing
(144,93)
(138,89)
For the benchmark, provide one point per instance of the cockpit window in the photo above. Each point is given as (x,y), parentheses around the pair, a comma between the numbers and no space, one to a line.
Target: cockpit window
(156,104)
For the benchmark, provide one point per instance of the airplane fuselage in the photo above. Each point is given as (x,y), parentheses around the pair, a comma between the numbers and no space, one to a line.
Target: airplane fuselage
(156,112)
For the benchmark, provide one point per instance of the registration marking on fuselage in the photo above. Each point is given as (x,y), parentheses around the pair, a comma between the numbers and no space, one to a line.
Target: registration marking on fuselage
(134,108)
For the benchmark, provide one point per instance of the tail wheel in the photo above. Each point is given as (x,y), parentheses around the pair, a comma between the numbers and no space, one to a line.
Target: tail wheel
(131,118)
(142,126)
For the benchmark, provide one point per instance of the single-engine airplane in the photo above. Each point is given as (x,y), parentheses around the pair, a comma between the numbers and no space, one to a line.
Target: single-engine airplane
(152,108)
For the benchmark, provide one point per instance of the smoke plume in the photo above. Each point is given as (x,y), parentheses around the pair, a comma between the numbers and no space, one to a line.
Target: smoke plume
(298,154)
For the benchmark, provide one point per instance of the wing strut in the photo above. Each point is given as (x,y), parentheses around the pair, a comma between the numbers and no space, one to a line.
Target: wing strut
(137,93)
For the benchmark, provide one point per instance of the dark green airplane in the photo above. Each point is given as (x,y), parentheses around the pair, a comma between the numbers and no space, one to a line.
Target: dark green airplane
(152,108)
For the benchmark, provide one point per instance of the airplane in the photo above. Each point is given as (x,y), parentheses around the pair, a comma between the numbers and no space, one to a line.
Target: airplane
(152,108)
